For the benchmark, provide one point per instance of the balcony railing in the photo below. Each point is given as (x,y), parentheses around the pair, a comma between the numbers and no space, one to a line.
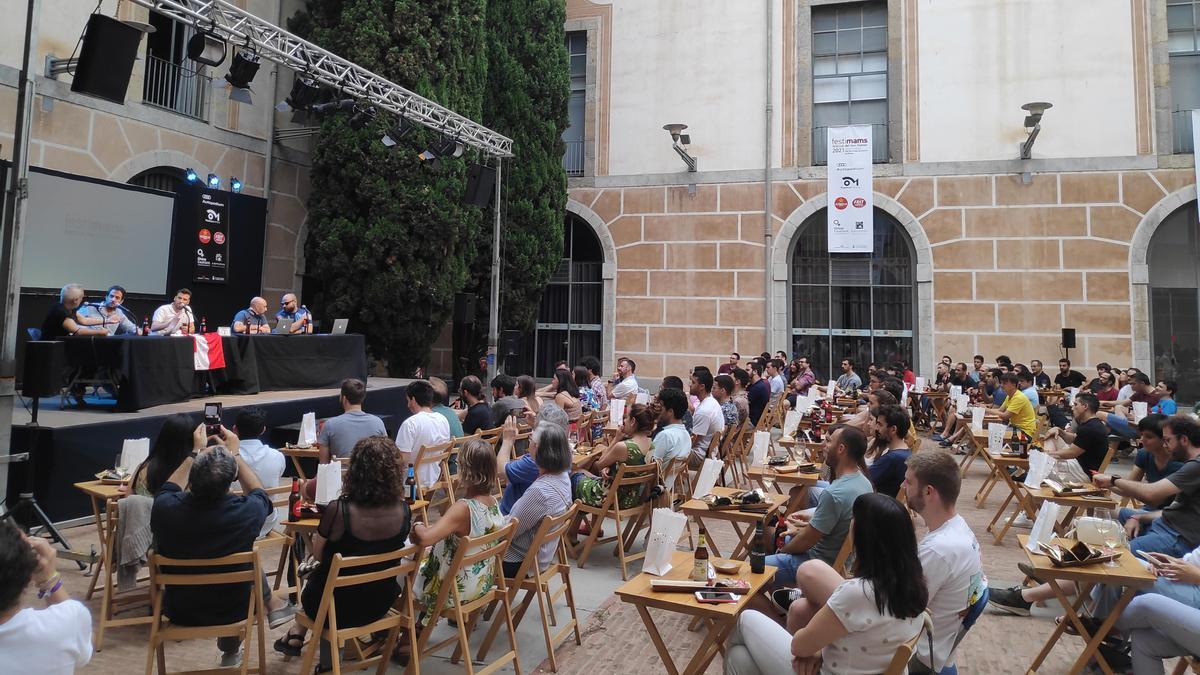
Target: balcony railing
(1181,123)
(176,87)
(573,158)
(879,144)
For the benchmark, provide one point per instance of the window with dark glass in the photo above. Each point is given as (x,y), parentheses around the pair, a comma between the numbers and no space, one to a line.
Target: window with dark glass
(851,304)
(172,80)
(849,73)
(165,178)
(1175,302)
(576,104)
(1183,47)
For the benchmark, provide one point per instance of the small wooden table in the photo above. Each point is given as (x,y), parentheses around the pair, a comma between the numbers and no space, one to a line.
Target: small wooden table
(784,480)
(297,454)
(742,521)
(1001,467)
(720,618)
(578,459)
(1130,575)
(104,498)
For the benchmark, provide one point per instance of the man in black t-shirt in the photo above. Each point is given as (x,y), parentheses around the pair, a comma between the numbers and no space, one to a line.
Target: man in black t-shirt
(1067,378)
(62,319)
(1040,379)
(477,415)
(1089,442)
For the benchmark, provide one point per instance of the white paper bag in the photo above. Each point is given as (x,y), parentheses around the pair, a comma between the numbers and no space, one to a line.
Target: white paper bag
(803,403)
(707,477)
(665,528)
(977,419)
(1039,466)
(308,430)
(133,452)
(1071,395)
(1043,526)
(996,437)
(616,411)
(955,392)
(1140,408)
(758,451)
(791,421)
(962,402)
(1072,471)
(329,482)
(829,389)
(642,397)
(920,384)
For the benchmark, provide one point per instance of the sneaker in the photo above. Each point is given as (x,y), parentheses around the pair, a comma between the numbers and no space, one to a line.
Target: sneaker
(937,437)
(1027,570)
(1009,600)
(231,659)
(1117,656)
(944,444)
(278,617)
(784,597)
(1022,521)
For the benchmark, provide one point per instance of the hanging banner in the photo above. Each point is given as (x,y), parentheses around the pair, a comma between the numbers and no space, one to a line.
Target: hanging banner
(1196,140)
(212,237)
(850,214)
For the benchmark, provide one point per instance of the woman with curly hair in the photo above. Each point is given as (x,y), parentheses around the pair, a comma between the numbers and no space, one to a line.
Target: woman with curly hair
(370,517)
(634,449)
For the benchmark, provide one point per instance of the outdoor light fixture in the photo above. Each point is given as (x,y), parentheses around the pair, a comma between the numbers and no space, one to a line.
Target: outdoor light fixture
(214,181)
(191,176)
(300,100)
(241,73)
(397,133)
(678,142)
(207,49)
(235,184)
(445,147)
(1033,125)
(363,115)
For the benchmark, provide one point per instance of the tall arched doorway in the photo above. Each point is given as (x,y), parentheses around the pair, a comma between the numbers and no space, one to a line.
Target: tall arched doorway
(570,316)
(861,306)
(1175,301)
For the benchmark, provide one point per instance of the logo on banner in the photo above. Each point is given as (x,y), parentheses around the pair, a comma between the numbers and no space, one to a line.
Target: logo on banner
(212,216)
(205,236)
(847,181)
(219,238)
(849,185)
(840,203)
(859,203)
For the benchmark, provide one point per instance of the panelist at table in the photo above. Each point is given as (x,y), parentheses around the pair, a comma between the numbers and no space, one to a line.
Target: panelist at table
(293,311)
(176,317)
(112,315)
(253,319)
(64,318)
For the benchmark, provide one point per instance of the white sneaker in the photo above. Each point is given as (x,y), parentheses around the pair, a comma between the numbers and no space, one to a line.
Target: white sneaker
(1022,521)
(231,659)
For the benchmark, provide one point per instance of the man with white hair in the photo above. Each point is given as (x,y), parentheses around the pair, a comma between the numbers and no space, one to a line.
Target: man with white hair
(521,472)
(253,319)
(63,319)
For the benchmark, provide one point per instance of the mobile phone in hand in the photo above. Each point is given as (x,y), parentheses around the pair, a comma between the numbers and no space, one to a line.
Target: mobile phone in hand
(212,419)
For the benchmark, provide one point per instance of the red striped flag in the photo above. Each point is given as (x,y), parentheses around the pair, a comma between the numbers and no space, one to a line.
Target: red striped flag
(209,352)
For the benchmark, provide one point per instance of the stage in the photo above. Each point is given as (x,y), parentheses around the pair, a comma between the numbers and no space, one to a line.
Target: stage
(69,446)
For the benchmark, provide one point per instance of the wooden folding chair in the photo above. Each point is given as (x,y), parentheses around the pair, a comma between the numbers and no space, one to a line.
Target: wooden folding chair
(435,454)
(112,602)
(899,663)
(678,481)
(1185,663)
(840,563)
(1113,444)
(730,454)
(163,631)
(642,478)
(280,496)
(491,436)
(354,571)
(473,551)
(536,585)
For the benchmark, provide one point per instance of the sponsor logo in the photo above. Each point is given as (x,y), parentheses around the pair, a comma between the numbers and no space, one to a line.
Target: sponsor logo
(220,259)
(847,181)
(840,203)
(859,202)
(212,216)
(205,236)
(219,237)
(858,225)
(200,253)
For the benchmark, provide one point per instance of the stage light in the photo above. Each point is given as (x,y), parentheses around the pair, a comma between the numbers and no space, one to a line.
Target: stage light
(304,94)
(191,176)
(446,147)
(241,74)
(206,48)
(363,115)
(214,181)
(235,184)
(397,133)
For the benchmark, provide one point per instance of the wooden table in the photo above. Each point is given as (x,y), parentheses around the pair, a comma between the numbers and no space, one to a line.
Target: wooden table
(781,480)
(719,618)
(578,459)
(1018,492)
(1130,575)
(104,498)
(742,521)
(297,454)
(978,439)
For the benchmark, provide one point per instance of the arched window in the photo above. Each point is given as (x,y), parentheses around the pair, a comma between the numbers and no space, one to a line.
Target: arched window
(1175,301)
(852,304)
(569,317)
(165,178)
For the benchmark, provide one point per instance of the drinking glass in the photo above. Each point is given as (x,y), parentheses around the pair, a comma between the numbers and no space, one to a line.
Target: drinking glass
(1110,532)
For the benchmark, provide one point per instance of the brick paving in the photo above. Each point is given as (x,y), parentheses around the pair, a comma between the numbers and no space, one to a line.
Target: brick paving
(614,637)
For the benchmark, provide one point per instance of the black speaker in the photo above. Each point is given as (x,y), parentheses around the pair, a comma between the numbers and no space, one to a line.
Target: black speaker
(510,342)
(1068,338)
(106,58)
(464,308)
(42,374)
(481,183)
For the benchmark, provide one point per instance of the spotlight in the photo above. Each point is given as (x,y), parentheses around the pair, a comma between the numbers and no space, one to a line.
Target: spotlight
(343,104)
(191,176)
(363,115)
(449,147)
(397,133)
(214,181)
(304,94)
(235,184)
(241,73)
(207,49)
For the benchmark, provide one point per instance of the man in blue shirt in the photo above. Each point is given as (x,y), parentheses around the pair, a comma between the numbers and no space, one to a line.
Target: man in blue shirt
(300,317)
(891,428)
(521,472)
(1025,382)
(253,319)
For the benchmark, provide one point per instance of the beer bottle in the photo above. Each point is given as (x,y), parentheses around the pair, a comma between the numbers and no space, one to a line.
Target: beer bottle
(700,562)
(145,325)
(203,325)
(410,486)
(294,501)
(758,552)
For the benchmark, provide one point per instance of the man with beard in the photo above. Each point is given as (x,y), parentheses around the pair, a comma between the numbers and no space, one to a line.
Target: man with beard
(892,453)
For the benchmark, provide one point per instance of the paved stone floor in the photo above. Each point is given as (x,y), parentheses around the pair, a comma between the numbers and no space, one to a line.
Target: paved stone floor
(614,638)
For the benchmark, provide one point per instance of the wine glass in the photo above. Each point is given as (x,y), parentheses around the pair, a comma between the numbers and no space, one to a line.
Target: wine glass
(1110,532)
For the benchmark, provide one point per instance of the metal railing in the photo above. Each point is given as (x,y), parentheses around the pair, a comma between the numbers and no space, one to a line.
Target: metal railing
(177,87)
(573,158)
(1181,125)
(879,144)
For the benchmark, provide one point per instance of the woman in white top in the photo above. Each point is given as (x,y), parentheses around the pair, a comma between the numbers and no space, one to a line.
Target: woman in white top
(843,626)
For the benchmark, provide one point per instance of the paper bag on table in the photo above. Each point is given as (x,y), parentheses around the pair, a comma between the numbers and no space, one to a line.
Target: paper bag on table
(758,451)
(308,430)
(133,453)
(1140,408)
(996,437)
(962,402)
(666,526)
(1043,526)
(1039,466)
(977,419)
(329,482)
(791,422)
(955,392)
(830,388)
(1071,395)
(616,412)
(707,477)
(642,397)
(920,384)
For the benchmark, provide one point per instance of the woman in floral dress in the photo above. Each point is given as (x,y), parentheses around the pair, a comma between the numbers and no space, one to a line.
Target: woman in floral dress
(633,446)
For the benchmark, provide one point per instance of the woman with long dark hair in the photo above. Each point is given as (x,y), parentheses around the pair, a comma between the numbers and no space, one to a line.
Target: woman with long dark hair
(176,440)
(566,395)
(844,625)
(527,391)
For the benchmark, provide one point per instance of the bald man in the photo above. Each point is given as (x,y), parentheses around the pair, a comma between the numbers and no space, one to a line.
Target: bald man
(300,317)
(253,319)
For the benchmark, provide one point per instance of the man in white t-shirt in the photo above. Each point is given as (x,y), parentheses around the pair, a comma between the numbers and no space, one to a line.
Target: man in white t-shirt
(626,382)
(176,317)
(267,462)
(55,639)
(708,423)
(423,428)
(950,557)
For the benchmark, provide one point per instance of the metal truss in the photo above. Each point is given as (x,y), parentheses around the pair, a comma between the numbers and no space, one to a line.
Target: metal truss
(238,27)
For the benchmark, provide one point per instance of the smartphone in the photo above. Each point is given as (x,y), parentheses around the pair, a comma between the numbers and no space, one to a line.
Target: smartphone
(713,597)
(212,419)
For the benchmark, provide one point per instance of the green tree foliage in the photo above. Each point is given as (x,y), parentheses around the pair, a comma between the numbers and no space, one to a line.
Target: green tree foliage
(389,242)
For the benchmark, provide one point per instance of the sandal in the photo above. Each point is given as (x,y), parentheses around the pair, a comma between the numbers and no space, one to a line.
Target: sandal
(290,644)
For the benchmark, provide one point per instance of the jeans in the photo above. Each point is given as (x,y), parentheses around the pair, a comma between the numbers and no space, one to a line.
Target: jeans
(814,493)
(1105,597)
(786,565)
(1158,538)
(758,646)
(1119,426)
(1159,627)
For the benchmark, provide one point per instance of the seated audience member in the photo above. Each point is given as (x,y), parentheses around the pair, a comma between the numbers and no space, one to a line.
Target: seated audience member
(175,317)
(503,387)
(775,377)
(849,380)
(587,397)
(758,395)
(741,381)
(441,397)
(340,434)
(862,420)
(1125,382)
(527,392)
(819,535)
(672,382)
(1025,384)
(891,454)
(843,625)
(423,428)
(475,515)
(177,438)
(267,462)
(673,441)
(1152,462)
(548,495)
(727,368)
(722,391)
(477,415)
(369,518)
(951,559)
(1101,368)
(806,379)
(1159,627)
(635,445)
(1067,378)
(112,316)
(566,395)
(253,319)
(1166,399)
(1040,379)
(708,424)
(595,382)
(55,639)
(1105,386)
(65,319)
(624,383)
(290,309)
(521,472)
(1089,441)
(207,521)
(1017,410)
(1120,420)
(978,371)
